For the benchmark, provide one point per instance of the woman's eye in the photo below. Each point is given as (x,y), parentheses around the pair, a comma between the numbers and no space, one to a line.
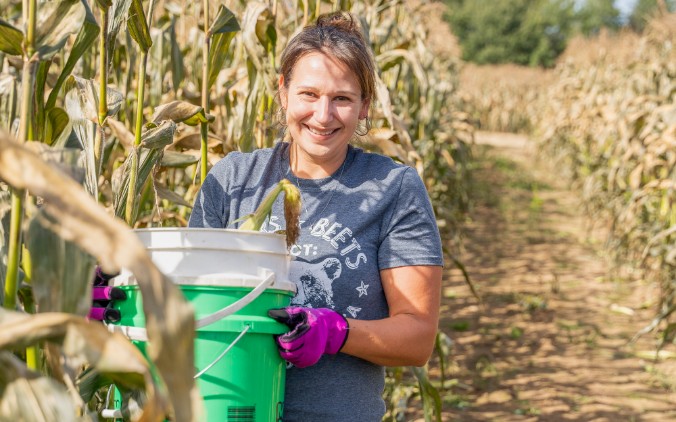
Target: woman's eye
(342,98)
(307,94)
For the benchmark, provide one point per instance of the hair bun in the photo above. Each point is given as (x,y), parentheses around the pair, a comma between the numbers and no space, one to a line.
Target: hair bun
(340,20)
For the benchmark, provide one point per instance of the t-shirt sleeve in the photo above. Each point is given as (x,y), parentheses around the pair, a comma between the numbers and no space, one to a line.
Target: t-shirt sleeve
(209,208)
(412,235)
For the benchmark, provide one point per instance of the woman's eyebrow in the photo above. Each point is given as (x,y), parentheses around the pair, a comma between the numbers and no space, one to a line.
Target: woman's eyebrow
(340,92)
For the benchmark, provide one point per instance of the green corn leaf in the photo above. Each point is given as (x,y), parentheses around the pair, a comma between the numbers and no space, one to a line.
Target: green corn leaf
(177,67)
(225,21)
(430,395)
(159,136)
(11,39)
(218,52)
(56,125)
(175,159)
(85,38)
(148,158)
(56,21)
(182,112)
(138,26)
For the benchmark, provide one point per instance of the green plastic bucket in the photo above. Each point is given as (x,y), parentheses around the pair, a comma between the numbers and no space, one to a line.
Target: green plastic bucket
(239,372)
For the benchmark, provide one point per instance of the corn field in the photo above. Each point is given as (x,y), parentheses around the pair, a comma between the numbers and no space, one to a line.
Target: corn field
(607,116)
(119,108)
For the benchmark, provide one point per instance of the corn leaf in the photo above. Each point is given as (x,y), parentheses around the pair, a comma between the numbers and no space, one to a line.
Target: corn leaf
(159,136)
(111,354)
(225,21)
(218,52)
(138,26)
(182,112)
(117,15)
(175,159)
(61,277)
(81,102)
(57,126)
(85,38)
(148,159)
(170,320)
(164,193)
(27,396)
(8,100)
(177,66)
(11,39)
(56,21)
(5,214)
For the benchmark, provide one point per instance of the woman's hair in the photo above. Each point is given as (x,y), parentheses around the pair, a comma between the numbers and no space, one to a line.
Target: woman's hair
(338,35)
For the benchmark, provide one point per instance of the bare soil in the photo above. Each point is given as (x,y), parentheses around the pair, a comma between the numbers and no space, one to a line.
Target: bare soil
(550,339)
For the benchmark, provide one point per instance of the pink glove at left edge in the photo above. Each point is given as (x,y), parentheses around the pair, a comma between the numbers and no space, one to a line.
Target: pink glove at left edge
(314,332)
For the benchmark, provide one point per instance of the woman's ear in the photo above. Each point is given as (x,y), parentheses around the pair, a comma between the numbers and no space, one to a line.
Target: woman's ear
(283,95)
(364,112)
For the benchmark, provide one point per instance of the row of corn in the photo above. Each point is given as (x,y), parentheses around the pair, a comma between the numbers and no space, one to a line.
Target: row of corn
(607,112)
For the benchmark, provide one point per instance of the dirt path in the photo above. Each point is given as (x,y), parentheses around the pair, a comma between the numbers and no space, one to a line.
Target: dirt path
(549,341)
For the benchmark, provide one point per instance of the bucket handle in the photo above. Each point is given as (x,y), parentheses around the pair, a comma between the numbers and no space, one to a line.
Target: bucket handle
(227,349)
(140,333)
(232,308)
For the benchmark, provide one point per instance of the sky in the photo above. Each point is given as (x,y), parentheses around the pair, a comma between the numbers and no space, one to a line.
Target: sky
(625,6)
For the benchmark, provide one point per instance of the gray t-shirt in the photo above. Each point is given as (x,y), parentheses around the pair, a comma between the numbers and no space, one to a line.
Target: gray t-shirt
(370,215)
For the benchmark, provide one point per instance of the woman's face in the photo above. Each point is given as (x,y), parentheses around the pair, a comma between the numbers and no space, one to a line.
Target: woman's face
(323,106)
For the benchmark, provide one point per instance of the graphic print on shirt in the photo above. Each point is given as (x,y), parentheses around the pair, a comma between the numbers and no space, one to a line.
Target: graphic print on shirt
(315,279)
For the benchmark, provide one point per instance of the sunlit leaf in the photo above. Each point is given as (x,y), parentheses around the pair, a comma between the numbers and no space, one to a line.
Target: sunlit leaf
(28,396)
(56,21)
(169,319)
(181,112)
(11,39)
(138,26)
(225,21)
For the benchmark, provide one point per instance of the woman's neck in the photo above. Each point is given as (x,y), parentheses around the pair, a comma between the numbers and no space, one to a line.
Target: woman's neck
(308,167)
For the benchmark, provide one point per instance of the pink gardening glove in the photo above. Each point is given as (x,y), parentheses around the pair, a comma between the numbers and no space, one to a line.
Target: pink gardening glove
(313,333)
(103,297)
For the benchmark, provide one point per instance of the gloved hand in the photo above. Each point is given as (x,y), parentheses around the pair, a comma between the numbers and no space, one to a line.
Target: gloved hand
(313,333)
(103,297)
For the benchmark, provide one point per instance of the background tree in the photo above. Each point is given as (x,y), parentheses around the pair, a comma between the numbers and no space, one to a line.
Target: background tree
(527,32)
(597,14)
(646,9)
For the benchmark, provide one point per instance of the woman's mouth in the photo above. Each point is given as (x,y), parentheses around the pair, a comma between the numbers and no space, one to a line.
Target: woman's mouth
(319,132)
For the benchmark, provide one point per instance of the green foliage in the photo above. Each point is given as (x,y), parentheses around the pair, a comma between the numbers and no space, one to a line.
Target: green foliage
(597,14)
(512,31)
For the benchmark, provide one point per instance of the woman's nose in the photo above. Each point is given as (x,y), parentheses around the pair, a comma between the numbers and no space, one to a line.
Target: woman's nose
(323,110)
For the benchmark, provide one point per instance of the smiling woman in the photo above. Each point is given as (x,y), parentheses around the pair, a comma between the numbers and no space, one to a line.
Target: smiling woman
(368,259)
(323,104)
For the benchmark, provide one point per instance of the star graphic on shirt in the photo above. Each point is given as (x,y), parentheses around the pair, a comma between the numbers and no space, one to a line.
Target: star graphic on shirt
(353,311)
(362,289)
